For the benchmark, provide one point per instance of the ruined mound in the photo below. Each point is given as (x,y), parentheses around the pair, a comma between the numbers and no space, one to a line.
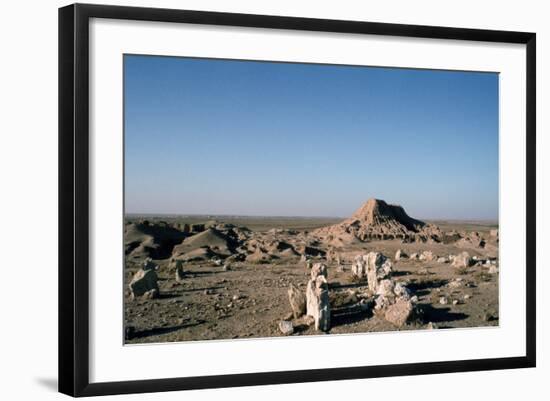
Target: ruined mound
(376,212)
(378,220)
(155,240)
(210,238)
(259,256)
(199,254)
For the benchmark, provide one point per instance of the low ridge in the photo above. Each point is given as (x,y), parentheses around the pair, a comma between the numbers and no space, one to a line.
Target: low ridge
(211,238)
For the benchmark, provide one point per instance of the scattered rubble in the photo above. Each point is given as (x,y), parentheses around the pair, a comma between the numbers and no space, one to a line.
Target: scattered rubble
(374,266)
(261,267)
(286,327)
(427,255)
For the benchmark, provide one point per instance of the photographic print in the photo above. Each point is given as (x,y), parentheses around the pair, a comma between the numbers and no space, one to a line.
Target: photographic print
(267,199)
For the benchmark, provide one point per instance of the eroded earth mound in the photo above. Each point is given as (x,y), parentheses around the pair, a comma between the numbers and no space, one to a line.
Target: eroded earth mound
(378,220)
(148,239)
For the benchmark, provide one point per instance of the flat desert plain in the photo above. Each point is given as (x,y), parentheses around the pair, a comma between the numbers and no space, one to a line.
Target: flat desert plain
(223,277)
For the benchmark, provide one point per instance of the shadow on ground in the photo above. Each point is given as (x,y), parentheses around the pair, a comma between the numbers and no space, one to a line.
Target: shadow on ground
(338,286)
(204,289)
(439,315)
(426,284)
(348,315)
(161,330)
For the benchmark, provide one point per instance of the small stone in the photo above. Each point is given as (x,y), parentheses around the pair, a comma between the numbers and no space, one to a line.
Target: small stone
(423,271)
(443,300)
(467,296)
(151,294)
(455,302)
(427,255)
(286,327)
(399,255)
(352,296)
(431,326)
(455,283)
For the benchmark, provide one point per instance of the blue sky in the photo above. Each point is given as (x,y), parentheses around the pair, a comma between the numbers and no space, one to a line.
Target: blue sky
(280,139)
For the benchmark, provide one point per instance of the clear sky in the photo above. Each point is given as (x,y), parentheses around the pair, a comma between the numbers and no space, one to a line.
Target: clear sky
(280,139)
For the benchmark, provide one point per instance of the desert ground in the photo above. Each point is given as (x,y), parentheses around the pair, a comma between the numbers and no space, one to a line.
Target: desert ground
(226,277)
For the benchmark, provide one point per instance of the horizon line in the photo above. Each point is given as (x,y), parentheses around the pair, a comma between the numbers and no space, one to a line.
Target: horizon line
(449,219)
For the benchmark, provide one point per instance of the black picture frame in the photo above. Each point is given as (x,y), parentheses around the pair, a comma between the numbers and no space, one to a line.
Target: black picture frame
(74,198)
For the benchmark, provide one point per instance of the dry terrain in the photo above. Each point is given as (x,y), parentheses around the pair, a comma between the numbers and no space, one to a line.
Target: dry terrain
(235,274)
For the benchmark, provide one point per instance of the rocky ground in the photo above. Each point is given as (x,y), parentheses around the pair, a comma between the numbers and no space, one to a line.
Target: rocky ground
(237,287)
